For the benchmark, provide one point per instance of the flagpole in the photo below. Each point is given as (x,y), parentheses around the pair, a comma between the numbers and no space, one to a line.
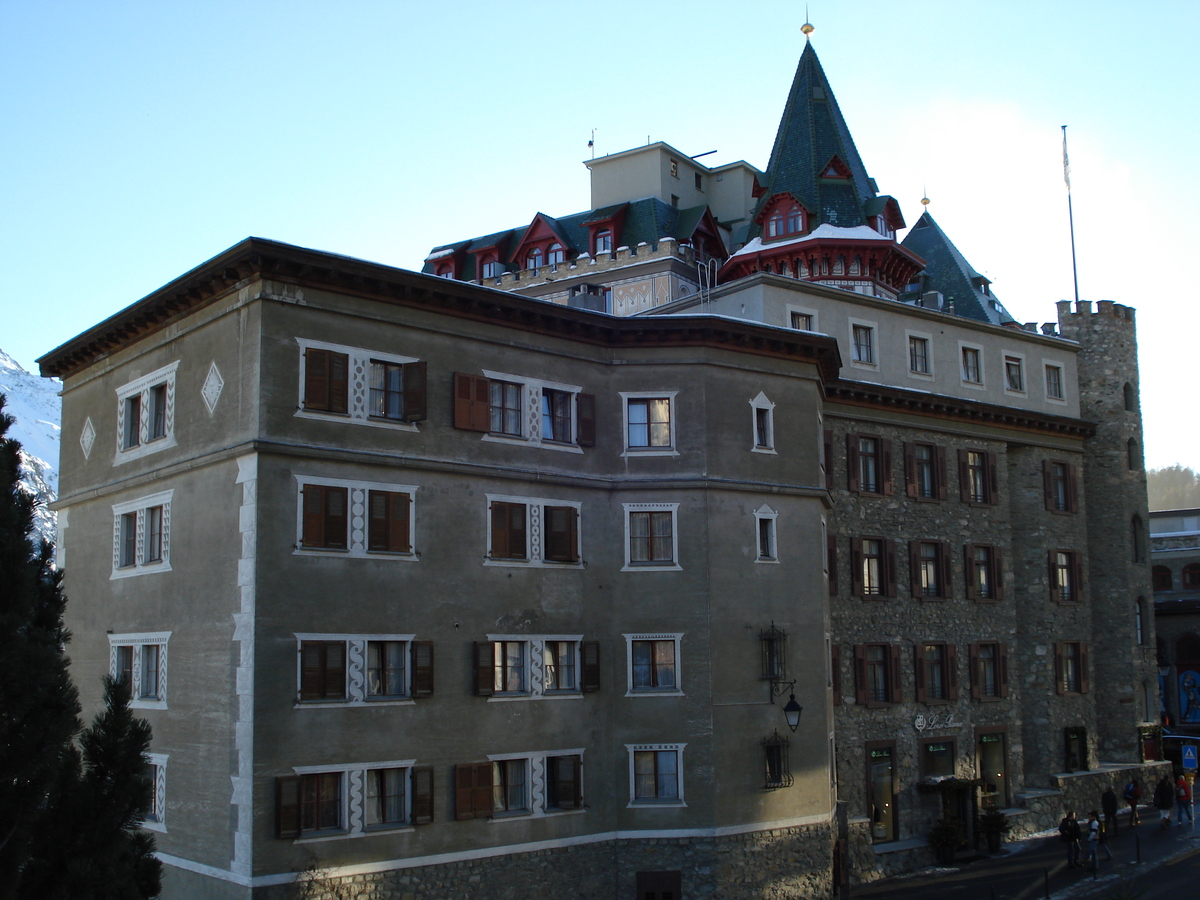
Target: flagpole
(1070,213)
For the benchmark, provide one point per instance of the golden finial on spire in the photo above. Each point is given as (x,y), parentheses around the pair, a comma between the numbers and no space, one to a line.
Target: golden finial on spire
(807,27)
(924,198)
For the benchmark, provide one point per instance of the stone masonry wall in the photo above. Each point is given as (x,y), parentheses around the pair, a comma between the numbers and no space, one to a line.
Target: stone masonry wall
(783,864)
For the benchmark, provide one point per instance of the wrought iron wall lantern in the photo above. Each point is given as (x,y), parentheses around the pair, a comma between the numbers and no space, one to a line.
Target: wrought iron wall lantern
(774,670)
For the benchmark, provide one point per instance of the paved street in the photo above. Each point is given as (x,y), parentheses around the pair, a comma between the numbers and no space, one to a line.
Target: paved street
(1169,868)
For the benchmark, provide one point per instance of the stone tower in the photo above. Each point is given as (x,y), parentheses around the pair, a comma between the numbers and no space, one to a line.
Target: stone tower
(1114,482)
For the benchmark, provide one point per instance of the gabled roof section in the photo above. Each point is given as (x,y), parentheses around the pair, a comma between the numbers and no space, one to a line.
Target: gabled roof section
(948,272)
(812,136)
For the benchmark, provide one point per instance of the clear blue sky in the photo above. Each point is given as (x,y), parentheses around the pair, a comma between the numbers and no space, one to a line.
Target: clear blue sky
(140,139)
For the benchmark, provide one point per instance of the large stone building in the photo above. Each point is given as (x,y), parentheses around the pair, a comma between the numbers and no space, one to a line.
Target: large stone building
(472,588)
(1175,554)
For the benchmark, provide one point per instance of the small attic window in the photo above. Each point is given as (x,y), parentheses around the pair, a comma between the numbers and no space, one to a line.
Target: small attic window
(699,182)
(818,92)
(674,168)
(785,221)
(835,168)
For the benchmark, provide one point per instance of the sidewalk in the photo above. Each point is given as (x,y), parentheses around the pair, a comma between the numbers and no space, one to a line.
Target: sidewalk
(1021,870)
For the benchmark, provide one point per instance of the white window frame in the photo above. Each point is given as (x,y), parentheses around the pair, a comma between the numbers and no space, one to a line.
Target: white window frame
(356,671)
(535,536)
(981,384)
(535,668)
(1007,356)
(643,803)
(1062,375)
(142,388)
(137,641)
(141,506)
(358,377)
(765,514)
(673,509)
(928,339)
(537,784)
(354,799)
(804,311)
(531,412)
(630,691)
(156,816)
(762,403)
(669,396)
(357,519)
(873,363)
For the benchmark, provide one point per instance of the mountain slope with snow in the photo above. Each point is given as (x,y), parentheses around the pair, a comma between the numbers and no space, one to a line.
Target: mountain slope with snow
(34,402)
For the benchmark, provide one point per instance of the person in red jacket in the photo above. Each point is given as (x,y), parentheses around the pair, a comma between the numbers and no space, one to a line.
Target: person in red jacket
(1183,800)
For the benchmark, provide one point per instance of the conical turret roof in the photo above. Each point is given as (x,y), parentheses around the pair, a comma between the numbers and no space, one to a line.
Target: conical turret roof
(948,272)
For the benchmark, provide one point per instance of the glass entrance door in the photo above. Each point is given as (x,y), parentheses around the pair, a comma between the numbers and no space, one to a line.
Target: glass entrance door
(882,792)
(993,771)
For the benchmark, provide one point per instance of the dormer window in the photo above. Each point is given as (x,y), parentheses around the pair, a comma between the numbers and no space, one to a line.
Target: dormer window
(604,241)
(554,255)
(491,269)
(785,221)
(881,225)
(534,260)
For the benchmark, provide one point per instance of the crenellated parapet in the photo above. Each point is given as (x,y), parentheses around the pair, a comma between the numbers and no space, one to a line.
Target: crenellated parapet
(587,266)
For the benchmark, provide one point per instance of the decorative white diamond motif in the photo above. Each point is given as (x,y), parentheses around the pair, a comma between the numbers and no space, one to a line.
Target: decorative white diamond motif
(211,391)
(87,438)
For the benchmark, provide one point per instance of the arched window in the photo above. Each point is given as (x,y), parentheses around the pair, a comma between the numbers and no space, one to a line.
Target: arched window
(1130,398)
(775,225)
(1160,576)
(1191,575)
(785,221)
(1131,450)
(534,260)
(604,241)
(1137,539)
(795,221)
(554,255)
(1140,621)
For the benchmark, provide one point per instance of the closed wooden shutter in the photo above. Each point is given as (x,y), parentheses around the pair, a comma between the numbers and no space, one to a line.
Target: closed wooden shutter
(485,668)
(1052,562)
(313,530)
(914,569)
(339,382)
(964,478)
(835,672)
(951,656)
(943,483)
(887,568)
(998,573)
(969,571)
(1058,667)
(416,405)
(1084,681)
(508,530)
(975,670)
(335,670)
(334,528)
(312,670)
(993,475)
(1077,575)
(316,379)
(885,464)
(287,806)
(861,687)
(590,653)
(387,527)
(1072,498)
(561,534)
(853,470)
(473,791)
(1002,668)
(910,470)
(946,588)
(831,562)
(919,671)
(422,668)
(585,431)
(472,403)
(564,776)
(1048,484)
(422,795)
(894,692)
(856,565)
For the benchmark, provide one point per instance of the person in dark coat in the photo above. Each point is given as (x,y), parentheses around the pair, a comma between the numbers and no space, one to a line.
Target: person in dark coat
(1133,794)
(1069,833)
(1108,803)
(1164,800)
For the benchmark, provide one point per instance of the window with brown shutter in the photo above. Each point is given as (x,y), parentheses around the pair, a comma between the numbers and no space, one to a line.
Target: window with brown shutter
(978,478)
(935,672)
(485,662)
(323,670)
(326,380)
(585,407)
(1058,481)
(422,668)
(416,403)
(508,531)
(929,569)
(893,651)
(422,795)
(590,653)
(473,791)
(562,534)
(387,525)
(925,471)
(877,673)
(472,402)
(981,563)
(564,782)
(287,806)
(988,663)
(873,567)
(1066,576)
(1070,666)
(321,802)
(324,519)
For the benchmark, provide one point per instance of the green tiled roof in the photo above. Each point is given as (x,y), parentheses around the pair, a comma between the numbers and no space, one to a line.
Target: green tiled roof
(811,132)
(948,272)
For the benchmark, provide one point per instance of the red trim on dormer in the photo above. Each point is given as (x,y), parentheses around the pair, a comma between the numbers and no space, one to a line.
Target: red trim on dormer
(756,189)
(835,168)
(493,252)
(707,236)
(891,212)
(541,233)
(613,225)
(783,204)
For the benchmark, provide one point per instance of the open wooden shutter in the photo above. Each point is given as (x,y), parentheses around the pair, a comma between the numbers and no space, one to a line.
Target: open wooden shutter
(1048,484)
(946,587)
(589,652)
(564,774)
(853,470)
(1072,499)
(1058,667)
(472,403)
(316,379)
(335,517)
(1052,565)
(312,533)
(951,655)
(835,672)
(888,568)
(914,569)
(910,469)
(974,670)
(943,483)
(998,573)
(827,439)
(287,806)
(861,694)
(894,693)
(1084,681)
(422,795)
(856,563)
(969,571)
(1002,668)
(485,668)
(885,463)
(416,405)
(993,474)
(585,429)
(399,540)
(919,671)
(831,562)
(964,478)
(562,533)
(1077,575)
(422,668)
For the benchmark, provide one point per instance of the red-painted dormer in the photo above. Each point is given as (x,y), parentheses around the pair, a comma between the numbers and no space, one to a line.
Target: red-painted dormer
(542,244)
(604,228)
(783,216)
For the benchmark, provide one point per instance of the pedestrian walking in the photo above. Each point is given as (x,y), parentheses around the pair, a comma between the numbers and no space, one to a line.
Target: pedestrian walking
(1069,833)
(1096,840)
(1164,799)
(1183,800)
(1108,803)
(1133,793)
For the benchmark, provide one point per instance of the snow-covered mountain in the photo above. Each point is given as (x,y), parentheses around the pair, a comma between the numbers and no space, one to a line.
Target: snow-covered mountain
(33,401)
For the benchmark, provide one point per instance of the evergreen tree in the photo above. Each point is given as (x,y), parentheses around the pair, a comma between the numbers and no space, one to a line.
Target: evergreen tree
(1175,487)
(39,706)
